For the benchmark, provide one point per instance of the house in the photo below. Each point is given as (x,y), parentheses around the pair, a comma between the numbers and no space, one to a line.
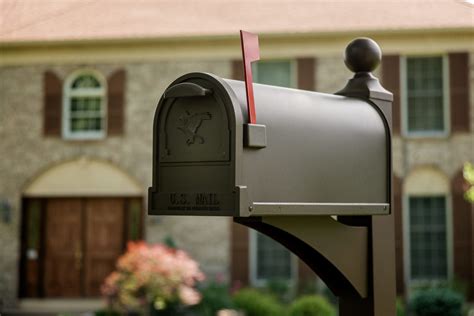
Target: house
(79,83)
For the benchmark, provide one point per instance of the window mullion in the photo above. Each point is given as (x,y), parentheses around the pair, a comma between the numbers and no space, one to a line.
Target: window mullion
(85,107)
(425,95)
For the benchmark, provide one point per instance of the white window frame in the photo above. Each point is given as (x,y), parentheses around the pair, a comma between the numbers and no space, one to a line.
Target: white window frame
(67,94)
(293,71)
(259,282)
(409,282)
(404,99)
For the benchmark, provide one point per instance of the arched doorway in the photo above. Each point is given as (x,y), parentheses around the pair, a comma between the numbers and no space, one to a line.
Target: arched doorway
(77,219)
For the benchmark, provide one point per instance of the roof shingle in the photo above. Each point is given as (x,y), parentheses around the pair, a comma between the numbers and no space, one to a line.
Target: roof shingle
(58,20)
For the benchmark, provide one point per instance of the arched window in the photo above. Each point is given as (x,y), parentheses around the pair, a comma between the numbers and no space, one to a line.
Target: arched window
(84,106)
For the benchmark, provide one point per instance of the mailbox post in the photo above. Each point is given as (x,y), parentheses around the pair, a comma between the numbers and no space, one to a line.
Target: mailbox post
(308,157)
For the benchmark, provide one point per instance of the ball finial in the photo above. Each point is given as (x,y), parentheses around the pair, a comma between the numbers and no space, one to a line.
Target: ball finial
(362,55)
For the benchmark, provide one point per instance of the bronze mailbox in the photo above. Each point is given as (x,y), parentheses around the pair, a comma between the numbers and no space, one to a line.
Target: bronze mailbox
(310,154)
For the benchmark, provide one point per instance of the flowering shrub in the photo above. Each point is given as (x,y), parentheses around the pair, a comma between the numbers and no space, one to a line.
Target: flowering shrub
(152,274)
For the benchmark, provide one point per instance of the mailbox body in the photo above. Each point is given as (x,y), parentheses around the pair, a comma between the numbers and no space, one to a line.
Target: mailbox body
(323,154)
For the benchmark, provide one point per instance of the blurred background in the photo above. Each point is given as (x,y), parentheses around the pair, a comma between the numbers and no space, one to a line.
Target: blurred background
(79,83)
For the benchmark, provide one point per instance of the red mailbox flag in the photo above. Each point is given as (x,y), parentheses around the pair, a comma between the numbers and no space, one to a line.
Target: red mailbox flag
(250,53)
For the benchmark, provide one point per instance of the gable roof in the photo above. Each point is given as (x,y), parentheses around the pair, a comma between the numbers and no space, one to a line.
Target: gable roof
(75,20)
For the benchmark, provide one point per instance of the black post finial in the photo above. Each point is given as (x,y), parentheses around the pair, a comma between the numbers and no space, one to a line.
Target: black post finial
(362,56)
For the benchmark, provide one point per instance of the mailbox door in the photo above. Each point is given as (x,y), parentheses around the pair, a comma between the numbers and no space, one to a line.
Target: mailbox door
(194,137)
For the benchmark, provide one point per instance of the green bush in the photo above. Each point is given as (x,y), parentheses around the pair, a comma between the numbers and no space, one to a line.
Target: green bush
(456,285)
(311,305)
(256,303)
(215,296)
(307,287)
(106,312)
(280,289)
(437,302)
(400,307)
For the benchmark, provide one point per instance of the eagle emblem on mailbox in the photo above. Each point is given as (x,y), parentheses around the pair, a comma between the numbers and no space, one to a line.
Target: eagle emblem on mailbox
(189,124)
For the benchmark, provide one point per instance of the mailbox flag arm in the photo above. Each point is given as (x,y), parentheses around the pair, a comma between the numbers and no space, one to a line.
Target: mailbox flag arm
(250,53)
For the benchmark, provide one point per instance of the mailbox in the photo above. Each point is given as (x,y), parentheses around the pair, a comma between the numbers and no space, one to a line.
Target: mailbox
(310,153)
(283,161)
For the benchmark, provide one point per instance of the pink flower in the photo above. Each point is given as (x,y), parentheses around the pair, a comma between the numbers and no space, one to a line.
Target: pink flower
(189,296)
(151,273)
(110,286)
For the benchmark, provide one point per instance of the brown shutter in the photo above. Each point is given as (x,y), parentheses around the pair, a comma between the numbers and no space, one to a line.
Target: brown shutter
(116,103)
(391,82)
(459,89)
(239,255)
(398,213)
(52,104)
(306,73)
(238,70)
(462,233)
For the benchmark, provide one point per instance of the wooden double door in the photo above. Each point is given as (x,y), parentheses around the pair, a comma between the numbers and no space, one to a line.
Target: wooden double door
(81,239)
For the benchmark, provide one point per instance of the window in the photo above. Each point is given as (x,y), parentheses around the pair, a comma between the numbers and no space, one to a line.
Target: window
(277,73)
(84,106)
(427,226)
(270,260)
(425,98)
(428,238)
